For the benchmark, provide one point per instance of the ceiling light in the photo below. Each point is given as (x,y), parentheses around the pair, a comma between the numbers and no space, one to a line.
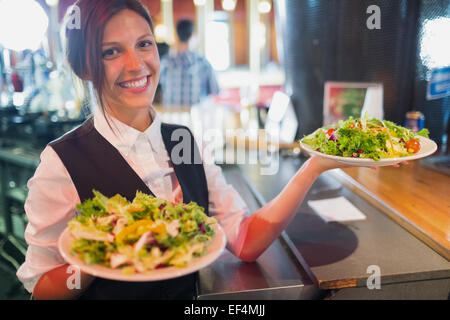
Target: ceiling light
(264,6)
(229,5)
(199,2)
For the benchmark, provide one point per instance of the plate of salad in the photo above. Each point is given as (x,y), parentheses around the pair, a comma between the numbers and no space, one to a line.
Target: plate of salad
(368,142)
(147,239)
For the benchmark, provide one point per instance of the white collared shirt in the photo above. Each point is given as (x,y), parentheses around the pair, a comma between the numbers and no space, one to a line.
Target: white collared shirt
(52,196)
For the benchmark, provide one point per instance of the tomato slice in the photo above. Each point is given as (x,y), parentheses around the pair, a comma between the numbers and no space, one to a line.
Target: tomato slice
(412,146)
(330,131)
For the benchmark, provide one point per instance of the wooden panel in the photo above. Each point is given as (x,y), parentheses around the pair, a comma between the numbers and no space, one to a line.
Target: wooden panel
(153,6)
(347,283)
(183,9)
(420,195)
(241,42)
(273,38)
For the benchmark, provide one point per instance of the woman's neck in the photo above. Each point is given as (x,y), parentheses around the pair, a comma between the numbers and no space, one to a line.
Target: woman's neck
(137,119)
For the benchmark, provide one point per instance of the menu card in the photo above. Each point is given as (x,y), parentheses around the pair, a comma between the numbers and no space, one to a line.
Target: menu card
(336,209)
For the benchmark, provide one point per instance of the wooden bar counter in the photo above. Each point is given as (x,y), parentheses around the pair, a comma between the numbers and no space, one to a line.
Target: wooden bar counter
(337,255)
(414,196)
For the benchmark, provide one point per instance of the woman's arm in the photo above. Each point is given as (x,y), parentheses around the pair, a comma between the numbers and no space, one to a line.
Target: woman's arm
(258,231)
(50,204)
(62,284)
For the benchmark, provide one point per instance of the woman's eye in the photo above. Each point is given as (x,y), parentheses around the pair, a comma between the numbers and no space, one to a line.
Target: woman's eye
(109,53)
(144,44)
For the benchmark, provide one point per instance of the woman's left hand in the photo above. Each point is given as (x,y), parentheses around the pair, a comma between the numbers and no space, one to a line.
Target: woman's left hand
(398,164)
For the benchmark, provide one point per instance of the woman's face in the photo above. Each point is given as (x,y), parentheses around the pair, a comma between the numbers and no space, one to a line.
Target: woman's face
(131,63)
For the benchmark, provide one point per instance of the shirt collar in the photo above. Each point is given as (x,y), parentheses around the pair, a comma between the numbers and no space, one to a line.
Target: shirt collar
(125,137)
(185,58)
(154,132)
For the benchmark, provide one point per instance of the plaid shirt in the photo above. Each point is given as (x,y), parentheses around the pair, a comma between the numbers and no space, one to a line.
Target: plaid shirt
(186,78)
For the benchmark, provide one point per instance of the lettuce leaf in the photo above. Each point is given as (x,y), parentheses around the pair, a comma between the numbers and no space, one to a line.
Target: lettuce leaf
(423,133)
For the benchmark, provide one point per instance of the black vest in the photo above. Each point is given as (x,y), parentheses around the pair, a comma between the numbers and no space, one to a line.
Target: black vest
(93,163)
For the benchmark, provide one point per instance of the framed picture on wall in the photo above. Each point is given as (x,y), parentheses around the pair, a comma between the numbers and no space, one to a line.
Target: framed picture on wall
(344,99)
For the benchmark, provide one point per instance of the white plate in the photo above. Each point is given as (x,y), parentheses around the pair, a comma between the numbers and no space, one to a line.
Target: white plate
(427,147)
(213,252)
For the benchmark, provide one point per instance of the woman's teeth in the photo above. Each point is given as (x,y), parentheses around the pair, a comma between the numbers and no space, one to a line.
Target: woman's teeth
(134,84)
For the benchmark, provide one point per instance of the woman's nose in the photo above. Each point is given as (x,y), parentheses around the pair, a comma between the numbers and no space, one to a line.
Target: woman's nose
(133,62)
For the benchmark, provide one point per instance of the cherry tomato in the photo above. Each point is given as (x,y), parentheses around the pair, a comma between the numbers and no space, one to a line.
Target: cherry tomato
(412,145)
(330,131)
(355,125)
(359,124)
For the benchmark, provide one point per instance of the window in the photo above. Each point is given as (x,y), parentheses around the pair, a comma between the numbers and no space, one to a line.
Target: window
(217,49)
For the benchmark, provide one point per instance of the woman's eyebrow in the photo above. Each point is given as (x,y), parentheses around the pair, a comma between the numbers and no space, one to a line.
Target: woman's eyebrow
(117,43)
(145,35)
(109,43)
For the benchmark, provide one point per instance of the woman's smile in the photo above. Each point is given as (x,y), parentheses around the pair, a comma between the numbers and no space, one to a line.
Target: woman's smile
(136,85)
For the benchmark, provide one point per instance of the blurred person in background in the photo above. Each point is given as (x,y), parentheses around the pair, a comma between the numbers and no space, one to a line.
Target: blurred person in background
(186,76)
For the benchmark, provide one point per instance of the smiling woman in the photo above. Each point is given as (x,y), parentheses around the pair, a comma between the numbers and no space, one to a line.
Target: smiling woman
(131,62)
(114,49)
(124,69)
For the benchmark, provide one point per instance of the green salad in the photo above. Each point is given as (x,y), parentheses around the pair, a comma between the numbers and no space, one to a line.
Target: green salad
(365,138)
(138,236)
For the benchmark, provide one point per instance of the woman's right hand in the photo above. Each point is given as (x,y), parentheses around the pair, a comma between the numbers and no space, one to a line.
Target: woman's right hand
(62,283)
(321,164)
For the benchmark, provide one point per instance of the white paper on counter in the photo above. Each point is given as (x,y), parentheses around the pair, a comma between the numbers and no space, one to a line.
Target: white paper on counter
(336,209)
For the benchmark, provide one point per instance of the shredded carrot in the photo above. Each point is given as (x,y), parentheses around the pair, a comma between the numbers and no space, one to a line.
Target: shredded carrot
(389,134)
